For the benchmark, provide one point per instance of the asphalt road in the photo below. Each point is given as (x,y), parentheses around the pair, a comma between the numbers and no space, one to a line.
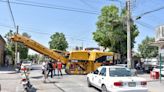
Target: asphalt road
(66,83)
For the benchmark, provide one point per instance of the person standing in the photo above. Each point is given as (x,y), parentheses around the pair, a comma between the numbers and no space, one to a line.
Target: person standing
(59,66)
(50,69)
(54,67)
(44,69)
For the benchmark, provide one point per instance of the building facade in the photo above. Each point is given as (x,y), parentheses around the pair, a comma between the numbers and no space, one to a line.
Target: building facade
(2,50)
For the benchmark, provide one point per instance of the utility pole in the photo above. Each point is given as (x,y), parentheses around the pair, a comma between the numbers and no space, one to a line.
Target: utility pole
(16,48)
(129,58)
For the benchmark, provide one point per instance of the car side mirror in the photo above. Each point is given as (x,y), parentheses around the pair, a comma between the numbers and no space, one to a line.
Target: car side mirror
(96,72)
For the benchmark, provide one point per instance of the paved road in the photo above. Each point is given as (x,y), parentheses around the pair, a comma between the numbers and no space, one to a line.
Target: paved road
(153,85)
(67,83)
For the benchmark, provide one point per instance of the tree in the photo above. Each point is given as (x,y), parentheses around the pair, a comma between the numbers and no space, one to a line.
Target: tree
(58,41)
(111,30)
(23,50)
(10,47)
(147,51)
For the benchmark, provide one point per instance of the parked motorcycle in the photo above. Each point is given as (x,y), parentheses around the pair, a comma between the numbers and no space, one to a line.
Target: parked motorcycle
(25,80)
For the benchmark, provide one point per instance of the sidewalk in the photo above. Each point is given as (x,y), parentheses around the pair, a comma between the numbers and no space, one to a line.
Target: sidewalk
(7,69)
(154,85)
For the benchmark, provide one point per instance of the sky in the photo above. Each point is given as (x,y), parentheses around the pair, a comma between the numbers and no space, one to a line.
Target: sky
(75,18)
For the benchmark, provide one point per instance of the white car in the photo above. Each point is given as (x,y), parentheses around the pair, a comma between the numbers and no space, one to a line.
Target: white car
(157,69)
(27,64)
(116,79)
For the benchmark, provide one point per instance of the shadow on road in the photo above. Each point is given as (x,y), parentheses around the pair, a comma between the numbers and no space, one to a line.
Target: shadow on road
(37,77)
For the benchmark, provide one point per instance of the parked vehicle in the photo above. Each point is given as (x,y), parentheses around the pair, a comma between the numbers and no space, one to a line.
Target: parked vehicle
(157,69)
(149,64)
(25,79)
(116,79)
(27,64)
(123,65)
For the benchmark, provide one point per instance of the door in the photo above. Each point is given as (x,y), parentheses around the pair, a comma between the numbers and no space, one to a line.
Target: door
(94,77)
(101,77)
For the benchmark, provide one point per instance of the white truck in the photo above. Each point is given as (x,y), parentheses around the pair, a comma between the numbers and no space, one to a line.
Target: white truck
(149,64)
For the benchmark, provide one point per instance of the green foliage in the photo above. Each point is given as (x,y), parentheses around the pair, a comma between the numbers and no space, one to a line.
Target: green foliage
(10,47)
(58,41)
(147,51)
(111,30)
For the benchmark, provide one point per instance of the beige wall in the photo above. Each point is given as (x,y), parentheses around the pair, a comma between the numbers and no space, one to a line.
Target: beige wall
(2,49)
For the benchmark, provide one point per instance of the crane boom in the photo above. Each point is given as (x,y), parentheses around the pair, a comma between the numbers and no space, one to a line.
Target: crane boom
(39,48)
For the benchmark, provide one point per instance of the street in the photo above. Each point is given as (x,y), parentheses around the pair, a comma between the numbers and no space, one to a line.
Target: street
(66,83)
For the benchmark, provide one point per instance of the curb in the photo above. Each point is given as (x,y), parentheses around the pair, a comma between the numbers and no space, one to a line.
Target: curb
(7,72)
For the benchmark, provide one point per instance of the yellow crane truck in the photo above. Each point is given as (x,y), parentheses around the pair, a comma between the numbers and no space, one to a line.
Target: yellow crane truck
(77,62)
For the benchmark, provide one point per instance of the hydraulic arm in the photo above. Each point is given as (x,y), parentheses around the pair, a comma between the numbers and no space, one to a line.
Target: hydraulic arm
(39,48)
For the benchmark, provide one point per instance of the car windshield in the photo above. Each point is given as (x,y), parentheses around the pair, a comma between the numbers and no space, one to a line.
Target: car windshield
(119,72)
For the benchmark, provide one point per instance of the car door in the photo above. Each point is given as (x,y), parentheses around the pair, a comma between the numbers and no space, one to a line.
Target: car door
(94,76)
(101,77)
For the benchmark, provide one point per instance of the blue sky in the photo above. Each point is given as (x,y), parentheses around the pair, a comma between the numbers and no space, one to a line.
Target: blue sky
(78,27)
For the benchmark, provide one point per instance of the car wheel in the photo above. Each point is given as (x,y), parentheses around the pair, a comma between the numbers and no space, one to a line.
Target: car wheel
(88,82)
(103,88)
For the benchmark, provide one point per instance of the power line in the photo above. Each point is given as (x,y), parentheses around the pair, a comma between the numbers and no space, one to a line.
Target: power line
(31,2)
(84,2)
(11,13)
(151,11)
(145,25)
(42,33)
(53,7)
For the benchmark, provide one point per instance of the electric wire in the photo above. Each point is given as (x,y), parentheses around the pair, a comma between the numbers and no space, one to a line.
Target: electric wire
(145,13)
(11,13)
(84,2)
(32,2)
(148,26)
(53,7)
(42,33)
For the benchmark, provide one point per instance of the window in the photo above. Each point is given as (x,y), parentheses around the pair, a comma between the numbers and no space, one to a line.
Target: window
(119,72)
(96,72)
(103,72)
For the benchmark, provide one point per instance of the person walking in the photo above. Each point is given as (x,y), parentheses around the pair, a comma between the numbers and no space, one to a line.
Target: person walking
(54,67)
(44,69)
(50,69)
(59,66)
